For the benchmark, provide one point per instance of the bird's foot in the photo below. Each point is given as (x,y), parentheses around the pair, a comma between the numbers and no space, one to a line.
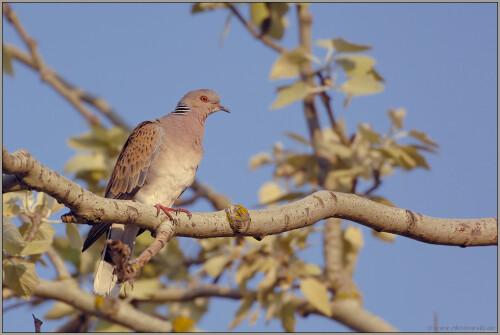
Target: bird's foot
(166,210)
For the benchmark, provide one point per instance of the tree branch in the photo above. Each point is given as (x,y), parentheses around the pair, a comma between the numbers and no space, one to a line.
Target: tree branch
(305,212)
(111,309)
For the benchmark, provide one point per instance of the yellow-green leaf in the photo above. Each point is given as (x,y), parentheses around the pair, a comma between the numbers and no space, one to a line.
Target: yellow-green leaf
(12,241)
(421,136)
(206,6)
(7,62)
(269,279)
(341,45)
(74,236)
(241,313)
(20,276)
(59,310)
(258,13)
(397,117)
(368,134)
(144,288)
(10,206)
(109,327)
(288,63)
(356,64)
(259,159)
(316,294)
(42,241)
(269,192)
(287,316)
(354,237)
(383,236)
(289,94)
(361,85)
(86,162)
(215,265)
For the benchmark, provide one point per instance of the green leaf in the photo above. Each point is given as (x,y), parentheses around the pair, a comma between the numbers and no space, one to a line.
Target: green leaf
(287,316)
(361,85)
(278,21)
(47,205)
(289,94)
(356,64)
(20,276)
(316,294)
(12,241)
(288,63)
(415,156)
(397,117)
(74,236)
(341,45)
(269,279)
(144,288)
(421,136)
(7,62)
(10,207)
(59,310)
(269,192)
(42,241)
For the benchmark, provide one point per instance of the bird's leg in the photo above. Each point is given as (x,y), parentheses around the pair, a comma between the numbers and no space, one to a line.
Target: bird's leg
(166,210)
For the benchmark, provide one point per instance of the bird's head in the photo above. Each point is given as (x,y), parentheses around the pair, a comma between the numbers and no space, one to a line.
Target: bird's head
(201,102)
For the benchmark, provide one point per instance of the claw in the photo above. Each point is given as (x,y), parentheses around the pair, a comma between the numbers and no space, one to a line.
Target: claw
(166,210)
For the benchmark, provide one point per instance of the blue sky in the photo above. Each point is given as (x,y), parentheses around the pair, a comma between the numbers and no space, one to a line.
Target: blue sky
(439,62)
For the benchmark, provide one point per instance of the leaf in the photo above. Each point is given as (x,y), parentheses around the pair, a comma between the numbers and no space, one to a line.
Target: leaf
(341,45)
(144,288)
(316,294)
(269,279)
(397,117)
(20,276)
(361,85)
(384,236)
(86,162)
(206,6)
(287,316)
(356,64)
(298,138)
(246,303)
(59,310)
(215,265)
(278,21)
(42,241)
(183,324)
(421,136)
(289,94)
(269,192)
(258,13)
(74,236)
(12,241)
(288,63)
(354,237)
(46,204)
(368,134)
(259,159)
(7,62)
(10,207)
(381,200)
(310,269)
(415,156)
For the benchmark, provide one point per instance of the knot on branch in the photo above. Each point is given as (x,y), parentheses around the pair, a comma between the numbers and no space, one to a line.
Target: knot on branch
(238,218)
(73,218)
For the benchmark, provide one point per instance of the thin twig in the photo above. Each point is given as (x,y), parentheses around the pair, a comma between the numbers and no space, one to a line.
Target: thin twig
(263,38)
(47,74)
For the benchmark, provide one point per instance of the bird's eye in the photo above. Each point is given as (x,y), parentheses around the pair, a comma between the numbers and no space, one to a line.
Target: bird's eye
(204,98)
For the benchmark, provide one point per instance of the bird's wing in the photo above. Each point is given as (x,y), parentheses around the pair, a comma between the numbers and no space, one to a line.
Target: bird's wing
(131,169)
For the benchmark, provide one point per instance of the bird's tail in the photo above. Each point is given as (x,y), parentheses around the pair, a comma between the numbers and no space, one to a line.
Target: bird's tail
(106,281)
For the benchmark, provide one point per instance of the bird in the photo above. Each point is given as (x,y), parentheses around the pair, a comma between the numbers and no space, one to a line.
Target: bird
(157,163)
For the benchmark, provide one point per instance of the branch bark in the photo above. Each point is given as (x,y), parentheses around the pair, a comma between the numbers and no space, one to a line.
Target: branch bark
(111,309)
(305,212)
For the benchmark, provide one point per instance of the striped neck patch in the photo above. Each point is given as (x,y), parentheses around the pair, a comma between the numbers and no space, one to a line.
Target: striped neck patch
(182,109)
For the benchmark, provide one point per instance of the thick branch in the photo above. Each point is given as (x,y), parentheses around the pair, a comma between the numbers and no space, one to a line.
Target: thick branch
(345,311)
(299,214)
(111,309)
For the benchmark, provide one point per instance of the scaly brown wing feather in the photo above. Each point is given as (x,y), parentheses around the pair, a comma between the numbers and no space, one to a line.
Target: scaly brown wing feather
(131,169)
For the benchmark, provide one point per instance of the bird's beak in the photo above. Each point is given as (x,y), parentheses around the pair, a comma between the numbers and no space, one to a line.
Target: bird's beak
(222,108)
